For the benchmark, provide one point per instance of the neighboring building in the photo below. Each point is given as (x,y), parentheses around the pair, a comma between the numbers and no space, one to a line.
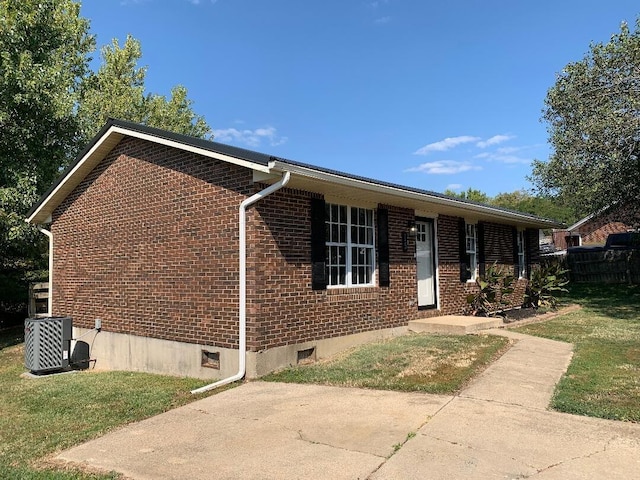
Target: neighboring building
(147,233)
(594,229)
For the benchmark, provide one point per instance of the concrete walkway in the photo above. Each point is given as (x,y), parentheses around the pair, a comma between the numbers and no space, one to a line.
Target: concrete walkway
(497,428)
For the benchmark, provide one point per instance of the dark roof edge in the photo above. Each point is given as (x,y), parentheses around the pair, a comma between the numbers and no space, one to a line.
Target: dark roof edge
(209,145)
(417,190)
(260,159)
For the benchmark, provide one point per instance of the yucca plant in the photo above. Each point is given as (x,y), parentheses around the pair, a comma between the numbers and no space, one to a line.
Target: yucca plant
(494,287)
(546,283)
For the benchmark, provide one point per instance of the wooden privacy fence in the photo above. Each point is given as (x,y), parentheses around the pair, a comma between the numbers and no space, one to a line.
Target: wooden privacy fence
(38,299)
(611,266)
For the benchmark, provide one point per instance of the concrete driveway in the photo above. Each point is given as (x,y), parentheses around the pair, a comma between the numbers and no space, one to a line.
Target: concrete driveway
(497,428)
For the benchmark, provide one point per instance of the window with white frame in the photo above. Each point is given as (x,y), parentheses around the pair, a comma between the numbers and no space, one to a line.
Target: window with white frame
(472,249)
(521,255)
(349,244)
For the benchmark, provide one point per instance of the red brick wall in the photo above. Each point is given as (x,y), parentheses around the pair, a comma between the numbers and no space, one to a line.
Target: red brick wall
(148,243)
(596,230)
(285,308)
(453,292)
(498,245)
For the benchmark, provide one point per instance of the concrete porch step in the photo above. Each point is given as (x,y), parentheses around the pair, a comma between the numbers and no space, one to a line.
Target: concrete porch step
(453,324)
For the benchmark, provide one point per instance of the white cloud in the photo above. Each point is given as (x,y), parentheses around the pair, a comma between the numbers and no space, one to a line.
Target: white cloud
(454,186)
(125,3)
(503,157)
(510,159)
(252,138)
(443,167)
(508,150)
(446,144)
(495,140)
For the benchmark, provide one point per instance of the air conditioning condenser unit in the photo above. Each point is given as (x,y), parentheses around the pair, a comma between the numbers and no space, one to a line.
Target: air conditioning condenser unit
(47,343)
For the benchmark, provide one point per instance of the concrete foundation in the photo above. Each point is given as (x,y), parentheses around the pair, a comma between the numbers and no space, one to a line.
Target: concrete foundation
(116,351)
(266,361)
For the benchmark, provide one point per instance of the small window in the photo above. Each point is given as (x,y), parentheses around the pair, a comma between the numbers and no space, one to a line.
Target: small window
(522,273)
(472,249)
(349,245)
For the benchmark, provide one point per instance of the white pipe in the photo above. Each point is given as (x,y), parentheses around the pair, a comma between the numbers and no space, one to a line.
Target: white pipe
(242,341)
(50,299)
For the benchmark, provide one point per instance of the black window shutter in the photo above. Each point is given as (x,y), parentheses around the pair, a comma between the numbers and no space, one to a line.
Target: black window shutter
(465,273)
(531,246)
(318,245)
(384,279)
(480,246)
(516,260)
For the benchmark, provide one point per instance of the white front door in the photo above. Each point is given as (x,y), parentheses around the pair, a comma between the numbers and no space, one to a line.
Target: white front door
(425,264)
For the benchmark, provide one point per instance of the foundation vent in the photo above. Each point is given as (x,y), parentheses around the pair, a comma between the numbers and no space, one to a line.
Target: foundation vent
(307,355)
(211,359)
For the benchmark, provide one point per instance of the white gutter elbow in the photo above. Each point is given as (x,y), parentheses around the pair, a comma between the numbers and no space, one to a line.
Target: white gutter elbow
(242,314)
(50,299)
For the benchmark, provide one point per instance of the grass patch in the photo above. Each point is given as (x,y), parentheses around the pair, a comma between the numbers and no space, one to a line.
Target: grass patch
(413,363)
(603,379)
(39,417)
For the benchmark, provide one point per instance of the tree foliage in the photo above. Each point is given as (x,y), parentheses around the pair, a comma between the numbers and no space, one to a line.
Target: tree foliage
(121,81)
(541,205)
(522,201)
(593,116)
(51,104)
(44,48)
(470,194)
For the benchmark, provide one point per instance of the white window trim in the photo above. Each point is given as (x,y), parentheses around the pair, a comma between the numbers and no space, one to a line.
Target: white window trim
(474,253)
(349,245)
(522,266)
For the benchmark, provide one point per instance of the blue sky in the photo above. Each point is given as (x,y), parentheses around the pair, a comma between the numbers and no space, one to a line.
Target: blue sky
(428,94)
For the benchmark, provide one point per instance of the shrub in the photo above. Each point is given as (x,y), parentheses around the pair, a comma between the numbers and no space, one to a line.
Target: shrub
(493,290)
(546,282)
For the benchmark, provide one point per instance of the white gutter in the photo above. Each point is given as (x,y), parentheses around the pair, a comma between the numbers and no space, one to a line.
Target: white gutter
(242,341)
(398,191)
(50,299)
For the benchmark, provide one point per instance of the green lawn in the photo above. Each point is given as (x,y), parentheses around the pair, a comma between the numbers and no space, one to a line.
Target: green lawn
(603,379)
(39,417)
(419,363)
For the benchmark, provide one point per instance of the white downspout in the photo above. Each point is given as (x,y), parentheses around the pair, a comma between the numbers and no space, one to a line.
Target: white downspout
(242,341)
(50,299)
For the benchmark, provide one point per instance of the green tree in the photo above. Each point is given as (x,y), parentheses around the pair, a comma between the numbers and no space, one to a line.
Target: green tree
(51,104)
(521,201)
(593,116)
(44,53)
(470,194)
(120,80)
(542,206)
(44,48)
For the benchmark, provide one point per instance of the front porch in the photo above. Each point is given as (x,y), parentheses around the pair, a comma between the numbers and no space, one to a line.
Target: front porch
(454,324)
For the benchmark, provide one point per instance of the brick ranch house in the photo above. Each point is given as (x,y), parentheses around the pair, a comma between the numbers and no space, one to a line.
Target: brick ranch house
(149,230)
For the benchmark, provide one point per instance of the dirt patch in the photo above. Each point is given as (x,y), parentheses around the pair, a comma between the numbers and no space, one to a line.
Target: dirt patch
(525,316)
